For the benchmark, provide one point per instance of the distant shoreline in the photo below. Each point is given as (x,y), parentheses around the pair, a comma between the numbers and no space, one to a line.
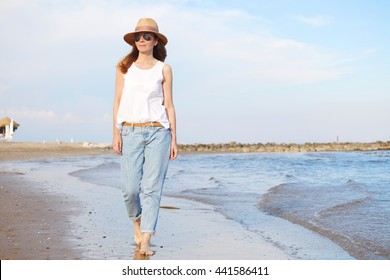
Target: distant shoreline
(292,147)
(30,150)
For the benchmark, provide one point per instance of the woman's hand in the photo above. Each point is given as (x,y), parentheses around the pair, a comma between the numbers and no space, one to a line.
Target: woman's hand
(174,151)
(117,143)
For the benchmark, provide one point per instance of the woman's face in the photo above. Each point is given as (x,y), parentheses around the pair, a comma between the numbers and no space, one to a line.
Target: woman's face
(145,41)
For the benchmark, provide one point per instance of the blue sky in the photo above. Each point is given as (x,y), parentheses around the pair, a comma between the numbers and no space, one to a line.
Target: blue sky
(249,71)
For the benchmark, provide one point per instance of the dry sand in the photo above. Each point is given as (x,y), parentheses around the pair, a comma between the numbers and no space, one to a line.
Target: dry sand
(30,150)
(38,221)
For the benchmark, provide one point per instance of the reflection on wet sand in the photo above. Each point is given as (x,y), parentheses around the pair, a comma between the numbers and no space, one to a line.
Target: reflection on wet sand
(138,256)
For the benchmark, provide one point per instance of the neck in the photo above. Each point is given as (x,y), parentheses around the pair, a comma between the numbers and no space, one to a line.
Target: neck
(145,58)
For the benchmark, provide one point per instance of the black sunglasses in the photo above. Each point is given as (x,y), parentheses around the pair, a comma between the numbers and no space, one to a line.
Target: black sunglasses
(146,36)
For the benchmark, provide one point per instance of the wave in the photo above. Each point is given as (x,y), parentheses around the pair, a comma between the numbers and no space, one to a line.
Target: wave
(215,181)
(105,174)
(332,211)
(343,207)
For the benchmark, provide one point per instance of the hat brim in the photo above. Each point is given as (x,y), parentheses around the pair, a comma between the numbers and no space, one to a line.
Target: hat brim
(129,37)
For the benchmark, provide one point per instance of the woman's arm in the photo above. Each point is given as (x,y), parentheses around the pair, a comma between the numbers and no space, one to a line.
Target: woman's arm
(168,103)
(117,139)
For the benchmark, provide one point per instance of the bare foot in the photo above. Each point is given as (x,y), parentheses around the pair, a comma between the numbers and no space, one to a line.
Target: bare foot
(145,245)
(137,232)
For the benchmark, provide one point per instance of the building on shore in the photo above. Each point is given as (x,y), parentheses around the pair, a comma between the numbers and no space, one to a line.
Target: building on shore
(7,128)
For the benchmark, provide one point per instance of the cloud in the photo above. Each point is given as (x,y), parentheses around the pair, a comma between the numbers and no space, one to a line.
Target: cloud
(316,21)
(70,117)
(277,61)
(239,48)
(50,125)
(27,114)
(67,35)
(3,89)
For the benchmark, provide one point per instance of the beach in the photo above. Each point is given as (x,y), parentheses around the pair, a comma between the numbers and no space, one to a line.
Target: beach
(64,201)
(47,214)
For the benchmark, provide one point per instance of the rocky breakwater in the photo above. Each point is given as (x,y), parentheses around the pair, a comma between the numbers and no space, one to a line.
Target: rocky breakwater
(235,147)
(97,145)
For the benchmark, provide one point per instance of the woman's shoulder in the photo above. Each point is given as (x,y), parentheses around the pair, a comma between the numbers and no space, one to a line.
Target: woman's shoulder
(167,72)
(166,67)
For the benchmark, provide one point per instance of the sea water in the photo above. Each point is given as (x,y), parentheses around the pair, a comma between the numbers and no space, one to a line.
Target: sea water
(297,201)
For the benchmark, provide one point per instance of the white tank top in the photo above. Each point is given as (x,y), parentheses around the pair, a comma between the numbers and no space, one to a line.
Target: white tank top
(142,96)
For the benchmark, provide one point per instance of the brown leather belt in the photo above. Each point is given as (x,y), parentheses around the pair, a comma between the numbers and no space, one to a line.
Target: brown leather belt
(143,124)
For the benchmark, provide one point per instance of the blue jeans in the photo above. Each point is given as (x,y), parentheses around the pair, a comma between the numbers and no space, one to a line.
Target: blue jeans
(144,164)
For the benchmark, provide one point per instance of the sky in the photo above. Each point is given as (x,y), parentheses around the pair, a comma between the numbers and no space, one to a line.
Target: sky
(281,71)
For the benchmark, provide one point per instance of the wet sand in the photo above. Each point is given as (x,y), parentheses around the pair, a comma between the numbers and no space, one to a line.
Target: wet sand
(34,223)
(48,215)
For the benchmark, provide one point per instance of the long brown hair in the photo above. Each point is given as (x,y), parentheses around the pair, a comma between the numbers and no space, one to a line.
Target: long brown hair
(159,52)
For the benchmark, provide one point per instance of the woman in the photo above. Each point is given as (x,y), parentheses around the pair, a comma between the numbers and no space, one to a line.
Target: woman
(144,126)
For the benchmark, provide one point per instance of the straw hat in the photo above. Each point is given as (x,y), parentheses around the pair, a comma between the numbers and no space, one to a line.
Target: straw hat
(145,25)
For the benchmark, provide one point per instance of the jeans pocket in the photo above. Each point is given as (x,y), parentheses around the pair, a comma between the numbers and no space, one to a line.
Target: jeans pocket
(163,129)
(125,130)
